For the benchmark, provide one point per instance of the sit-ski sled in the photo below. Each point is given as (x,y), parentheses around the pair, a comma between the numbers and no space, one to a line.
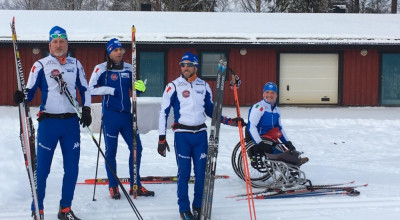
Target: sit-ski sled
(275,171)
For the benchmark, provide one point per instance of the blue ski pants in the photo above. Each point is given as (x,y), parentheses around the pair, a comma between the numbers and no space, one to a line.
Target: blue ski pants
(190,147)
(115,123)
(67,133)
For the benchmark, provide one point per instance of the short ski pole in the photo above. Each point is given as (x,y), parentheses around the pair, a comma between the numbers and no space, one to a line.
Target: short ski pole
(97,163)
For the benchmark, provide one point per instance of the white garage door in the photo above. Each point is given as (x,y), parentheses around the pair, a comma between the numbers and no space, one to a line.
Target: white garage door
(308,78)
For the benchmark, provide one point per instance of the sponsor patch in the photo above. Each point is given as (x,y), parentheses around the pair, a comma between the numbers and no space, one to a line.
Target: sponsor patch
(55,73)
(124,75)
(114,77)
(261,109)
(186,94)
(97,69)
(200,91)
(33,69)
(70,70)
(168,89)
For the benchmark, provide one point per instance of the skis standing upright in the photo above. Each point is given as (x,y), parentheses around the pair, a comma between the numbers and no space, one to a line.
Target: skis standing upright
(134,114)
(27,131)
(213,141)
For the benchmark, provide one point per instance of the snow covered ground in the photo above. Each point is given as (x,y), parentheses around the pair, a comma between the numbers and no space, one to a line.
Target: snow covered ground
(343,144)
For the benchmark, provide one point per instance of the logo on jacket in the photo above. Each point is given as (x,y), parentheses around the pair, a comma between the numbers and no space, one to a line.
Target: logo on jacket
(203,155)
(76,145)
(51,62)
(186,94)
(182,84)
(114,77)
(55,73)
(200,91)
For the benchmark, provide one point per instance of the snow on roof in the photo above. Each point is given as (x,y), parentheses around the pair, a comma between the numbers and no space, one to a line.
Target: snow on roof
(204,27)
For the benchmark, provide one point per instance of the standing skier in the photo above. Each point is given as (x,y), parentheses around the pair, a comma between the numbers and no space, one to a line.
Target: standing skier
(113,80)
(264,116)
(58,121)
(191,99)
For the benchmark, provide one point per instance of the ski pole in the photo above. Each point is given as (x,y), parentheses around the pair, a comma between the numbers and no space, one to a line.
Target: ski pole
(249,190)
(97,163)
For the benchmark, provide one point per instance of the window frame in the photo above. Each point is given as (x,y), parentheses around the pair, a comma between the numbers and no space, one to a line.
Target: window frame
(201,60)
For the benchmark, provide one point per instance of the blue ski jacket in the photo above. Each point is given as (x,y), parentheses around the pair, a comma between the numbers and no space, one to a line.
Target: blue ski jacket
(263,117)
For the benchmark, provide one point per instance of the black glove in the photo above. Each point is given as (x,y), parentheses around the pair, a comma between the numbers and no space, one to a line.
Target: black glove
(290,146)
(162,145)
(86,118)
(235,122)
(261,148)
(236,81)
(19,97)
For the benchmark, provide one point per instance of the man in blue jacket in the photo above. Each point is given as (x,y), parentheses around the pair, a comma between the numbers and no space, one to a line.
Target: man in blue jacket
(113,80)
(58,121)
(191,99)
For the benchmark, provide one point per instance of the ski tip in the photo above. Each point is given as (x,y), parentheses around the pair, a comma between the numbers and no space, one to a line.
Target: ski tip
(13,20)
(352,182)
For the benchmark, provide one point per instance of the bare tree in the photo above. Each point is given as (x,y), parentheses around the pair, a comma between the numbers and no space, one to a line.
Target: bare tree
(394,7)
(377,6)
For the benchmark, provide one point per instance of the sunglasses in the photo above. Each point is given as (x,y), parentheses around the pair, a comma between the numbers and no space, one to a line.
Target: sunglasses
(186,64)
(63,36)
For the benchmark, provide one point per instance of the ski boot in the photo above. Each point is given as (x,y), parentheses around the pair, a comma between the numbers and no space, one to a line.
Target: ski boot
(114,192)
(196,213)
(41,215)
(187,216)
(66,214)
(303,160)
(142,192)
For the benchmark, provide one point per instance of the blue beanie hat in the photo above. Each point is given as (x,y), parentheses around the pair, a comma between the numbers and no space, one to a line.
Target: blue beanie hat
(270,86)
(57,30)
(112,45)
(192,58)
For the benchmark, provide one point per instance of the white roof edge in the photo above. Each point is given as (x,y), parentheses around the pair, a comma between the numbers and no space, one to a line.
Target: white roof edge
(205,27)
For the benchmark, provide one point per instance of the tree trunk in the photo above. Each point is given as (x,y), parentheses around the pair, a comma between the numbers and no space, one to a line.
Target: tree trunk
(356,6)
(394,6)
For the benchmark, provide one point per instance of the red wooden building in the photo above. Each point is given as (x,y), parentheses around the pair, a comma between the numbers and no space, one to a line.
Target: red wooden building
(316,59)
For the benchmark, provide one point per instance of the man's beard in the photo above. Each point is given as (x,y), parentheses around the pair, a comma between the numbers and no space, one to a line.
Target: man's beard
(59,54)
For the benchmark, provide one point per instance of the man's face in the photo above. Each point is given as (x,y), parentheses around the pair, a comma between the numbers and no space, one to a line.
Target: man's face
(117,54)
(188,69)
(58,47)
(270,96)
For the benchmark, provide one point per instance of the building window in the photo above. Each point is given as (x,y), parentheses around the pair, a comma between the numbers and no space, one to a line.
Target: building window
(209,63)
